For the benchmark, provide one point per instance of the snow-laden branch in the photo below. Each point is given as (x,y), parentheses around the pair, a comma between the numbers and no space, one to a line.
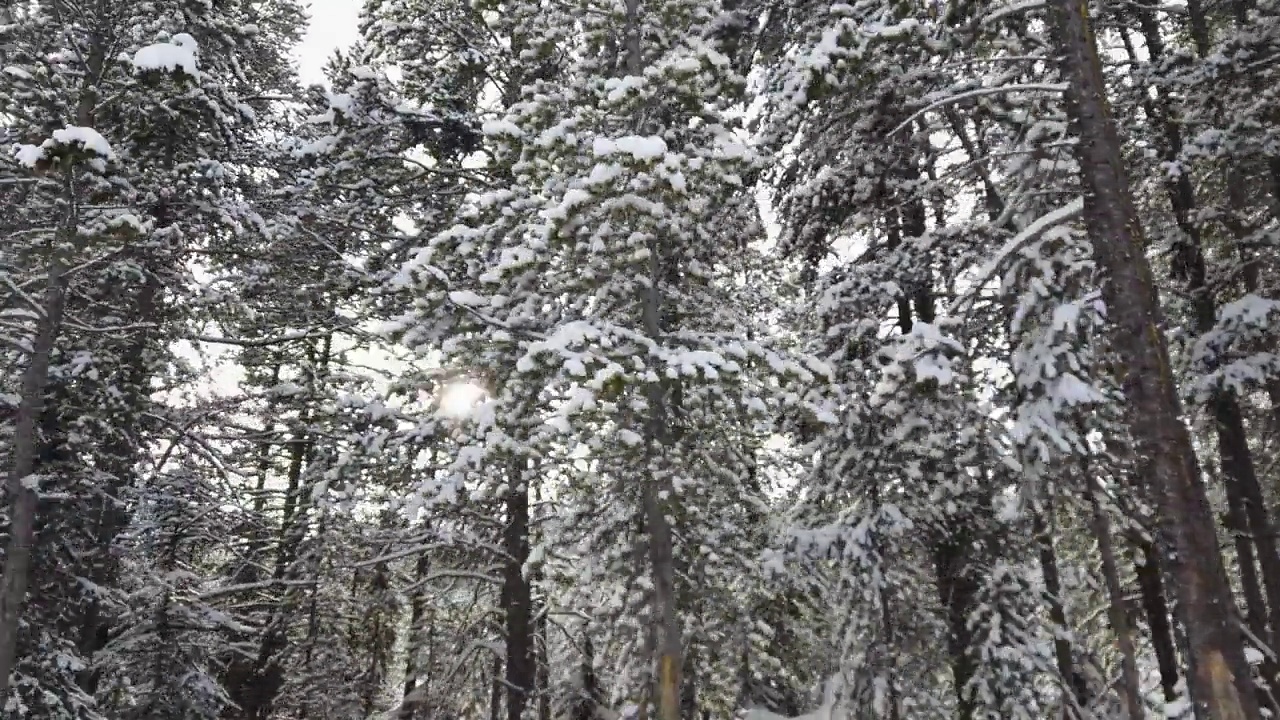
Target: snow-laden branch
(1041,225)
(245,587)
(979,92)
(268,341)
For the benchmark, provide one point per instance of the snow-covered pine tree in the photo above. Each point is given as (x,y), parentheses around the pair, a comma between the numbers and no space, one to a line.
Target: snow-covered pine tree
(138,115)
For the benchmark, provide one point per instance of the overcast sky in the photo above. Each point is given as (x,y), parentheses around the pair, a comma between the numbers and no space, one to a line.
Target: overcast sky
(333,25)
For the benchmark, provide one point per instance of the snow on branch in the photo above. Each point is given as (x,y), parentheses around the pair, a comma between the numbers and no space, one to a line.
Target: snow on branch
(176,56)
(979,92)
(1038,227)
(85,139)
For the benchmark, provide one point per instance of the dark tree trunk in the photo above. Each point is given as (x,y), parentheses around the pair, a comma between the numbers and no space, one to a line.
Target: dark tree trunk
(25,443)
(23,501)
(584,706)
(1116,611)
(957,590)
(1233,444)
(516,597)
(1220,681)
(495,691)
(1062,650)
(410,702)
(1156,608)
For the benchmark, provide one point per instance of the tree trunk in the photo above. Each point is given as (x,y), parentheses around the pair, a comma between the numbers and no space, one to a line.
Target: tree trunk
(1156,608)
(584,706)
(516,598)
(1119,617)
(1189,266)
(657,491)
(417,616)
(495,691)
(23,500)
(1220,680)
(1062,651)
(544,665)
(26,439)
(957,589)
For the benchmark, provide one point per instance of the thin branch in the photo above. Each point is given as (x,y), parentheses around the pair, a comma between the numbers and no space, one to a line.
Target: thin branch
(979,92)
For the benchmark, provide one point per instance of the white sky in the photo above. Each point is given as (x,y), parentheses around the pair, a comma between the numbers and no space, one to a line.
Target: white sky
(333,25)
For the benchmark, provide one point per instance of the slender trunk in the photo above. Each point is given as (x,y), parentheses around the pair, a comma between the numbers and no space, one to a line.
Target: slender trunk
(689,693)
(1233,445)
(541,630)
(516,599)
(417,614)
(20,488)
(23,500)
(1251,270)
(544,665)
(1220,681)
(957,590)
(1156,608)
(1119,617)
(1238,525)
(661,562)
(1062,651)
(657,491)
(584,707)
(495,691)
(954,549)
(251,570)
(109,514)
(886,665)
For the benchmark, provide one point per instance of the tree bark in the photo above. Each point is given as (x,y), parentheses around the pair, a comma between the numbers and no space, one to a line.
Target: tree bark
(1117,614)
(495,691)
(516,599)
(23,499)
(1233,444)
(657,491)
(1062,650)
(1220,681)
(1156,607)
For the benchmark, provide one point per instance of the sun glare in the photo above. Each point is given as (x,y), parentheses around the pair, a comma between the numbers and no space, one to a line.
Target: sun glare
(459,399)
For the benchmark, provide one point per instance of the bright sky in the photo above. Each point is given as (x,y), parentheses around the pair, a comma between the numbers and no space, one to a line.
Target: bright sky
(333,25)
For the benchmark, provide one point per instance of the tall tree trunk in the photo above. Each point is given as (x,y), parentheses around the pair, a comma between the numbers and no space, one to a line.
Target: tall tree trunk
(495,691)
(1116,612)
(516,598)
(689,691)
(109,509)
(1156,607)
(657,491)
(251,568)
(584,706)
(26,439)
(1220,680)
(23,500)
(957,590)
(953,551)
(417,615)
(1233,445)
(1062,651)
(544,663)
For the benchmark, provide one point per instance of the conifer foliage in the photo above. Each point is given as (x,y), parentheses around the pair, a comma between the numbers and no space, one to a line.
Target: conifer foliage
(657,359)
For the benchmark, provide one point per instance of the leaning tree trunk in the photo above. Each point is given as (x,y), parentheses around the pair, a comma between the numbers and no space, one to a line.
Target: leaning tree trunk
(1248,508)
(1219,681)
(23,497)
